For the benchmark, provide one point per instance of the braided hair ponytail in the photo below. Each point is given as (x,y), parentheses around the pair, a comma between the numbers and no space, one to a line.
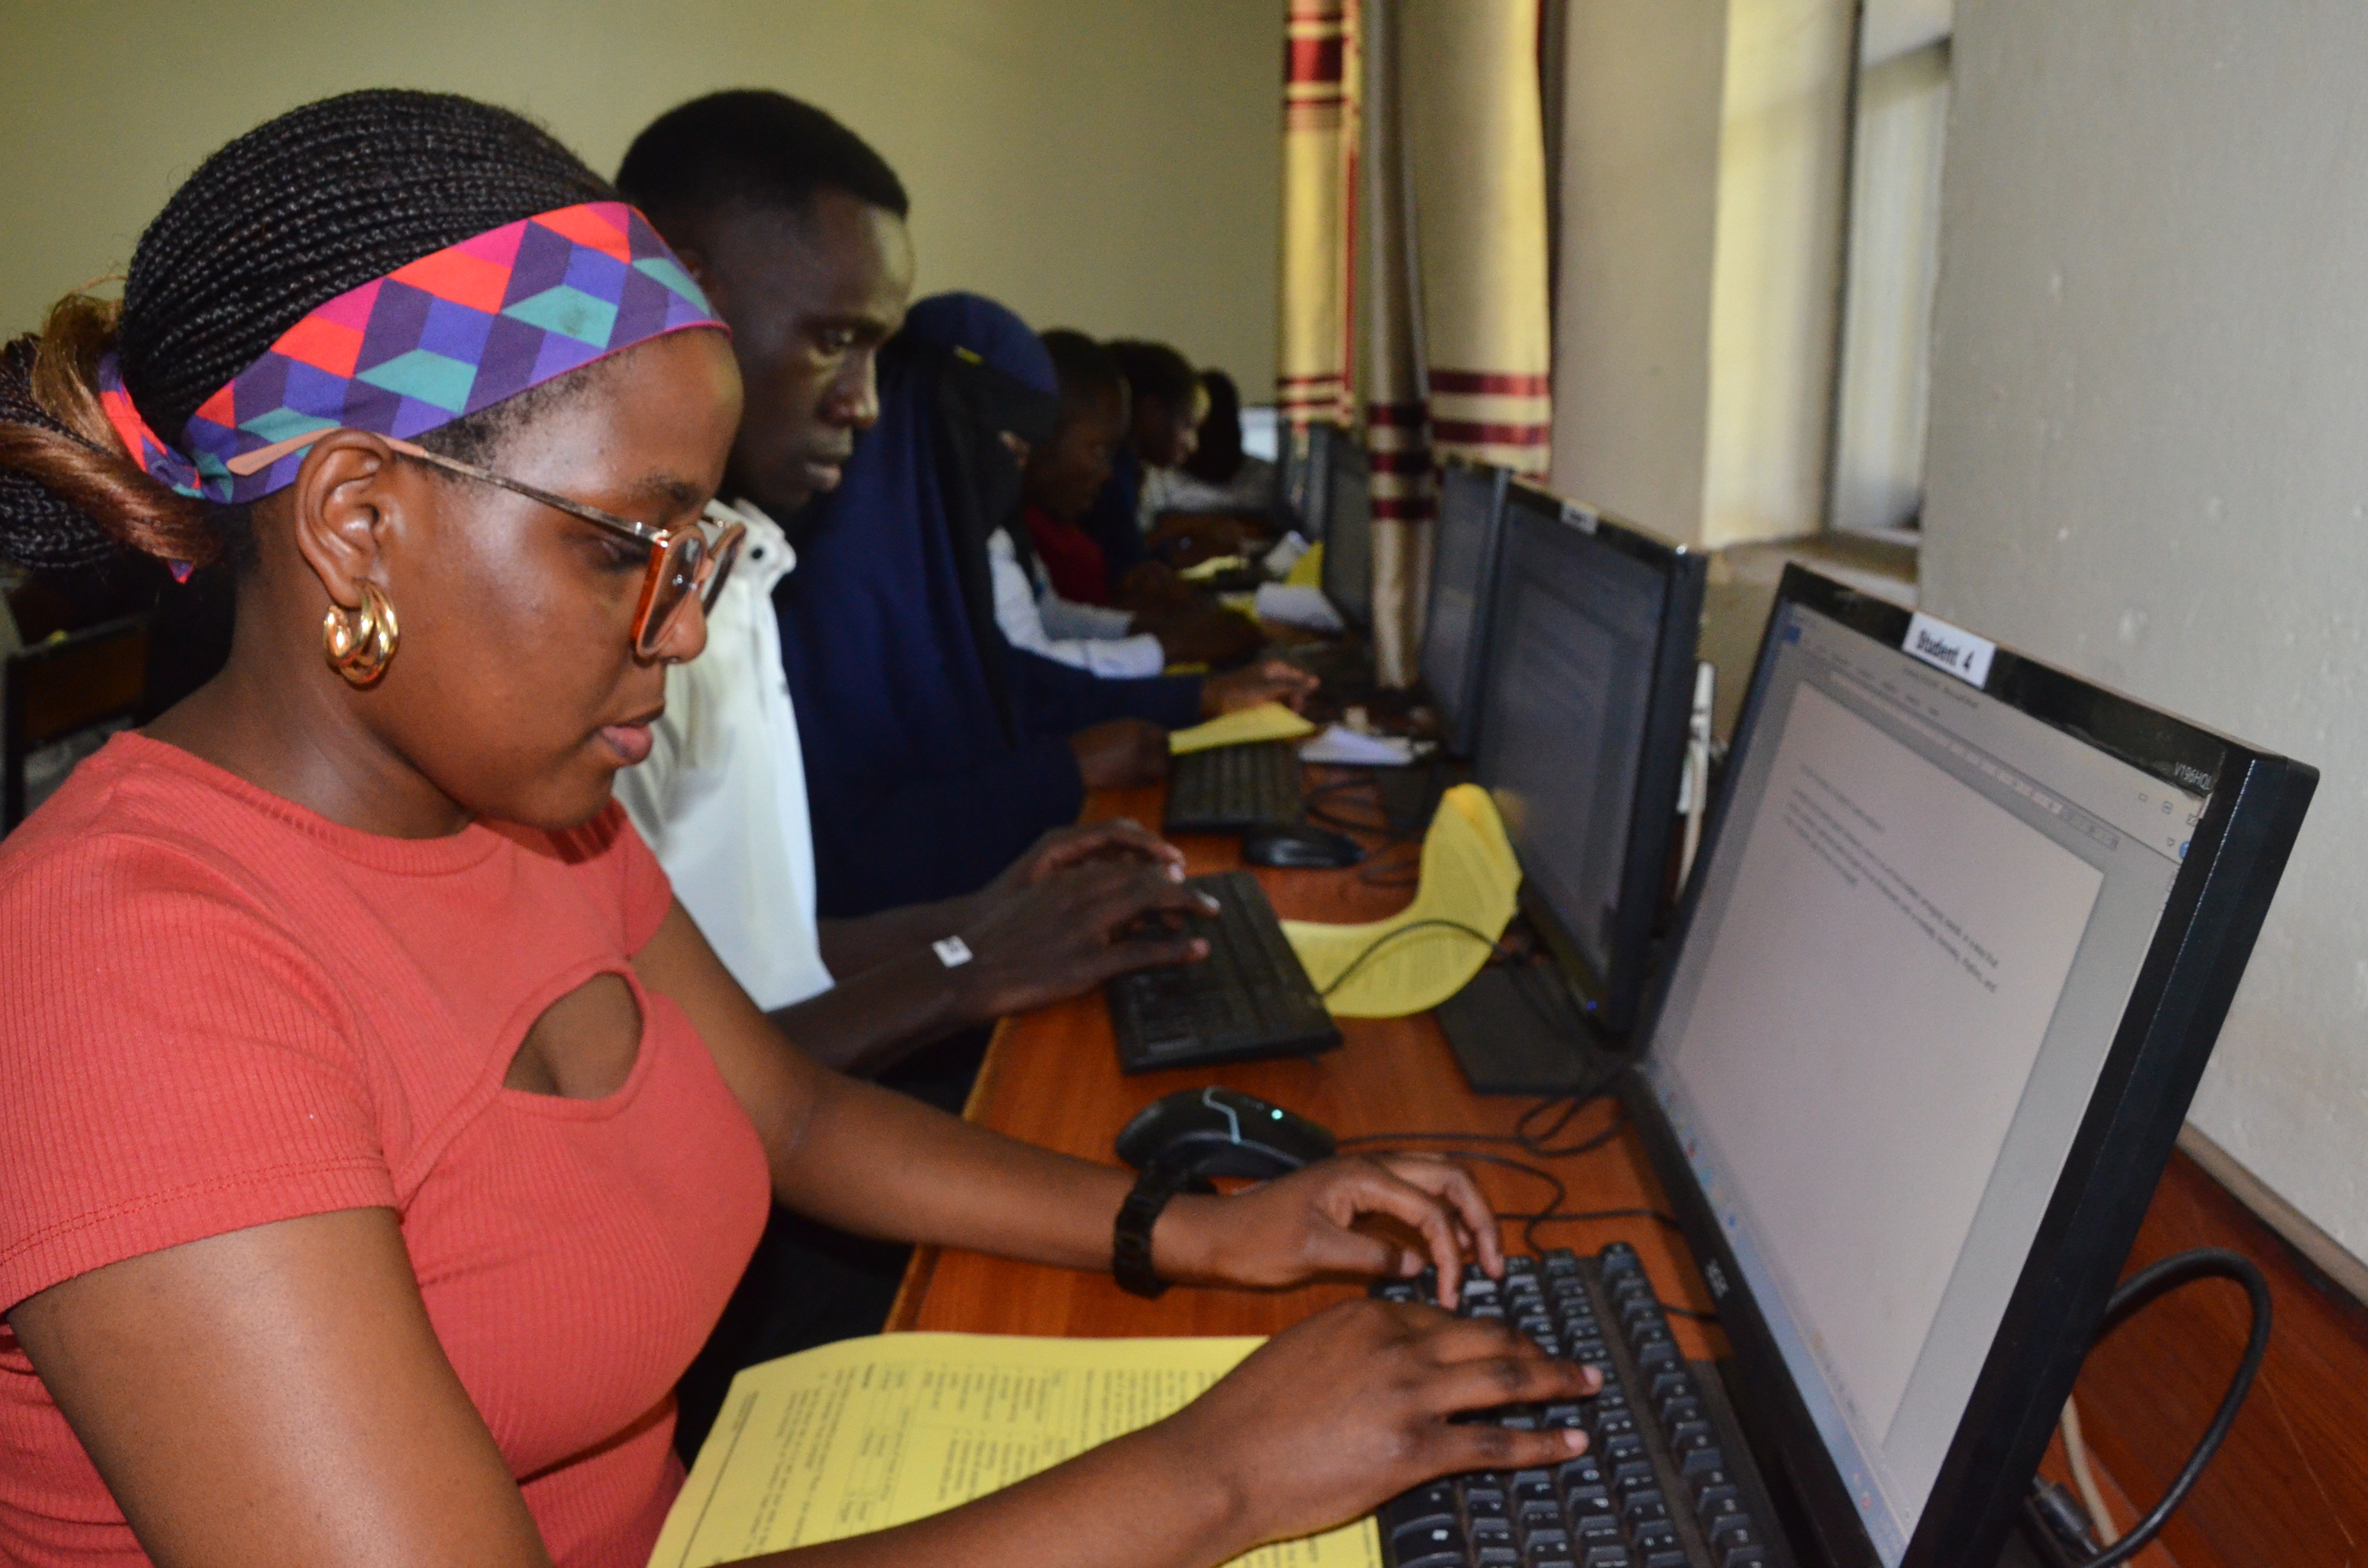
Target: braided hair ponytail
(297,212)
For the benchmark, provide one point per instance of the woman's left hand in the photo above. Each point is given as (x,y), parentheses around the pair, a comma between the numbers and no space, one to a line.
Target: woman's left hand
(1297,1227)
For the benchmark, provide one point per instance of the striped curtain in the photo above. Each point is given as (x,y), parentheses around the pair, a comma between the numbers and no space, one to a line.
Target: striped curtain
(1416,258)
(1321,88)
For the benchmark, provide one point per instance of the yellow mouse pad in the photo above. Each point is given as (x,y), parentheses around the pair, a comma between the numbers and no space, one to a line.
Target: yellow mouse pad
(1469,878)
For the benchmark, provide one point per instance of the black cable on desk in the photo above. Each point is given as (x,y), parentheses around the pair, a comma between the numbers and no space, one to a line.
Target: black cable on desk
(1561,1109)
(2140,1291)
(1432,924)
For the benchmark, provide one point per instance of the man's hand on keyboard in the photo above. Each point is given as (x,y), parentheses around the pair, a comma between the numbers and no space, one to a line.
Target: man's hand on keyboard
(1299,1227)
(1327,1419)
(1268,680)
(1076,929)
(1116,838)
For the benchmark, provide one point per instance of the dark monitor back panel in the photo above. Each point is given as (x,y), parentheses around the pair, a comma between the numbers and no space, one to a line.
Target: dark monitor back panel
(1462,591)
(1349,529)
(1588,689)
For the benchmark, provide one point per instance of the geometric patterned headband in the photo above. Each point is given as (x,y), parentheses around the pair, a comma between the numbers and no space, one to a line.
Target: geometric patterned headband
(437,339)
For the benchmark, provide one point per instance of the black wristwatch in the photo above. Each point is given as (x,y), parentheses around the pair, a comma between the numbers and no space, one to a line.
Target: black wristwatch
(1131,1240)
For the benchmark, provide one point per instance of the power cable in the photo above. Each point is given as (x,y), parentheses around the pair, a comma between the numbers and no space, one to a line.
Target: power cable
(2055,1525)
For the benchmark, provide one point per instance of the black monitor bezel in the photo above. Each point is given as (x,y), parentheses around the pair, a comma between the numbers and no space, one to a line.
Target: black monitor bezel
(2254,806)
(1299,464)
(1457,693)
(1610,1002)
(1357,610)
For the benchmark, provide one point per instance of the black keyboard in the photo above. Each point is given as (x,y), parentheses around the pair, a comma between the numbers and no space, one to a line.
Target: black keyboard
(1234,788)
(1666,1481)
(1250,998)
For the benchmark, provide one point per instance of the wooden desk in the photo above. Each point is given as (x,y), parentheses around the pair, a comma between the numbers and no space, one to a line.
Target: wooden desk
(1052,1078)
(2290,1488)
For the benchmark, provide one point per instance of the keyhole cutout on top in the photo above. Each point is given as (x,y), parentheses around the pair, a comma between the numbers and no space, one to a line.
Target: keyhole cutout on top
(584,1045)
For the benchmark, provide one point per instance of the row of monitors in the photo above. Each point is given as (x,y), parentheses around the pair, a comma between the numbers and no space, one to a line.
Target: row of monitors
(1937,993)
(1325,494)
(1593,608)
(1559,655)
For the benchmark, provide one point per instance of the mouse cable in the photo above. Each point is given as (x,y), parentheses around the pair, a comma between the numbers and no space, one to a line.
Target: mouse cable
(1386,938)
(1484,1157)
(1370,781)
(2052,1517)
(1319,810)
(1554,1213)
(1564,1109)
(1529,1144)
(1384,869)
(1370,1141)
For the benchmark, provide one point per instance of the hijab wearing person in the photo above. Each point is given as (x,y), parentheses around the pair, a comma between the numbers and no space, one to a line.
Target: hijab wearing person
(935,752)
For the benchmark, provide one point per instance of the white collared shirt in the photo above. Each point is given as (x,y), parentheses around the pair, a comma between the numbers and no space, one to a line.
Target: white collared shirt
(721,796)
(1084,637)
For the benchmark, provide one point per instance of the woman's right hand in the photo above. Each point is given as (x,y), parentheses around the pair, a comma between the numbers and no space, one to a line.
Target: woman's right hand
(1331,1418)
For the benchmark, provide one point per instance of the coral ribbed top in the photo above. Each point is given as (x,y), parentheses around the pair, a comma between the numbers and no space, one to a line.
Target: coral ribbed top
(218,1009)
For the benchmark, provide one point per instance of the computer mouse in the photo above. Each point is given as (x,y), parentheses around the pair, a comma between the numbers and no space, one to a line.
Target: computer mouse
(1220,1132)
(1300,846)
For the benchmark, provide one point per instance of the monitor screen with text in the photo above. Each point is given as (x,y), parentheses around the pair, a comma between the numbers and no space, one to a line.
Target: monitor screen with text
(1569,698)
(1913,940)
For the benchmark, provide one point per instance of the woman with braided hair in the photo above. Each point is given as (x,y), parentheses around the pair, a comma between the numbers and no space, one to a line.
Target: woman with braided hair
(378,1138)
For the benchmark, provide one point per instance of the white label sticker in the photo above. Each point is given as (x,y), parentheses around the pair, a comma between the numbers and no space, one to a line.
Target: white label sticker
(952,951)
(1945,647)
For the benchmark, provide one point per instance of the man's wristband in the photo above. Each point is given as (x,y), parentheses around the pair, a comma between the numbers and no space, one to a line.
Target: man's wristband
(1131,1238)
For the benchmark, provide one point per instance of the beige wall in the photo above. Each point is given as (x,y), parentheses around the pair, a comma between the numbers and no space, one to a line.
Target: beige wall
(1780,201)
(1110,165)
(1701,243)
(1642,86)
(2146,462)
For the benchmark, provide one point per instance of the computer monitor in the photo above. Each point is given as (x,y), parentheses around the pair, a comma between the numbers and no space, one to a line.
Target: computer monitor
(1462,589)
(1347,529)
(1959,939)
(1588,689)
(1300,488)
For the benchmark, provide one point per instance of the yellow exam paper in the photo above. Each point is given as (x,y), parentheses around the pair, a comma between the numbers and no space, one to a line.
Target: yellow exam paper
(1307,572)
(1267,721)
(1469,876)
(1201,571)
(866,1434)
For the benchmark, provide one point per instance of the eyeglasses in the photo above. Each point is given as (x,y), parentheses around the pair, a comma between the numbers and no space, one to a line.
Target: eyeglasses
(683,560)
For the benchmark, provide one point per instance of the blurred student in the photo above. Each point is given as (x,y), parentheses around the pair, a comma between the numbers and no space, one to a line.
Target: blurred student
(1219,479)
(1161,421)
(935,750)
(931,756)
(811,269)
(1063,474)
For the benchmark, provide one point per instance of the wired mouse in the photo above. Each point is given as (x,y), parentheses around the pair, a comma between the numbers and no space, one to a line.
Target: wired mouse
(1222,1131)
(1300,846)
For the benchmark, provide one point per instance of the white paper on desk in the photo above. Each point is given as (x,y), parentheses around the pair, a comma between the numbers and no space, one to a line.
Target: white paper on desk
(1285,554)
(1343,747)
(1294,606)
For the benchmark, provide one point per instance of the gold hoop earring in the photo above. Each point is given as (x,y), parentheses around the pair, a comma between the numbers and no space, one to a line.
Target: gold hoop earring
(360,643)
